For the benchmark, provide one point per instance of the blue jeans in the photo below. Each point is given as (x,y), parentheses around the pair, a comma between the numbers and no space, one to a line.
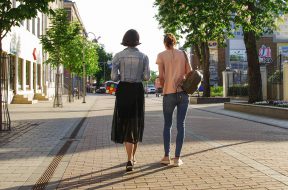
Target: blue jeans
(170,101)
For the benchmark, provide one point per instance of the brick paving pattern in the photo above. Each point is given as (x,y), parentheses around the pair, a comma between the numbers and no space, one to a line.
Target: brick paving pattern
(220,152)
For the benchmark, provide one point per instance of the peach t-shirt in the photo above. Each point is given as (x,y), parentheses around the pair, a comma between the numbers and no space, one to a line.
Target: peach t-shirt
(173,66)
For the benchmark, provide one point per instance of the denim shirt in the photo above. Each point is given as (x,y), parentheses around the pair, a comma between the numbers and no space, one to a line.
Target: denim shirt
(130,65)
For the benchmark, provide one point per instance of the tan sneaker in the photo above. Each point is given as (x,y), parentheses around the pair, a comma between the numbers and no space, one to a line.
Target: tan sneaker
(178,162)
(165,161)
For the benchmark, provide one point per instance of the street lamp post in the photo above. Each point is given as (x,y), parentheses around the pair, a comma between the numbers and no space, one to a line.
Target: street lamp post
(95,40)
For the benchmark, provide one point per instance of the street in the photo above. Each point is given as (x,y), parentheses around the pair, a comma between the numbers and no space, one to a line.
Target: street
(222,149)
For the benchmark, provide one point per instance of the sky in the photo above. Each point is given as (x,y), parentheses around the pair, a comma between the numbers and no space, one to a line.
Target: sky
(110,19)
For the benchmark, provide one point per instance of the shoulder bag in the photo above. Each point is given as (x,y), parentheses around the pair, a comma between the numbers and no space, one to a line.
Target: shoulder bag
(192,81)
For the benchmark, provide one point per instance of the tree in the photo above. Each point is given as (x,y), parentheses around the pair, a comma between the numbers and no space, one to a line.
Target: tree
(200,22)
(256,17)
(12,16)
(57,38)
(91,58)
(73,59)
(104,57)
(153,77)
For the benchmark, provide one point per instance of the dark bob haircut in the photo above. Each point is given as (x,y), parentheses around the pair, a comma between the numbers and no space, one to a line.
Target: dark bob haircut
(131,38)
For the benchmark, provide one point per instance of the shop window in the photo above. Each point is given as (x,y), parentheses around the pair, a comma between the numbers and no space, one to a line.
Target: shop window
(20,70)
(38,27)
(28,25)
(12,72)
(33,26)
(28,74)
(38,76)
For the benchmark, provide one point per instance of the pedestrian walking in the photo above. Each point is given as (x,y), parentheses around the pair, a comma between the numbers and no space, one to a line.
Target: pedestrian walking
(131,67)
(173,65)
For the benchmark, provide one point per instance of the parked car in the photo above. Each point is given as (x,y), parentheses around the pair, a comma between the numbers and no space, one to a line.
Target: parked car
(150,89)
(101,90)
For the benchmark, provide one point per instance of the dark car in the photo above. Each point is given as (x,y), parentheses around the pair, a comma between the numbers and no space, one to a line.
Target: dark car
(101,90)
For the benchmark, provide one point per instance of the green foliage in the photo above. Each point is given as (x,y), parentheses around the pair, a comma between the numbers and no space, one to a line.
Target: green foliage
(153,76)
(200,22)
(258,16)
(91,58)
(276,77)
(238,90)
(58,37)
(10,16)
(216,91)
(73,51)
(104,57)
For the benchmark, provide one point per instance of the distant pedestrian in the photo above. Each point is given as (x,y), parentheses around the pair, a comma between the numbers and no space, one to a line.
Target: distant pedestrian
(131,67)
(173,65)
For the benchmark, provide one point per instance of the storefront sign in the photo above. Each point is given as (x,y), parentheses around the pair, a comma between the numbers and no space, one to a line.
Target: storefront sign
(212,44)
(34,54)
(264,54)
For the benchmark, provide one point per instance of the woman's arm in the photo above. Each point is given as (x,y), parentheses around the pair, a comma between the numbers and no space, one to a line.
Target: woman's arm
(161,70)
(115,75)
(187,64)
(146,72)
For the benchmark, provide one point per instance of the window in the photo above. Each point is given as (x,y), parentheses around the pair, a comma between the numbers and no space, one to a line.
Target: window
(33,26)
(38,27)
(12,71)
(28,24)
(39,76)
(28,74)
(69,14)
(20,70)
(14,3)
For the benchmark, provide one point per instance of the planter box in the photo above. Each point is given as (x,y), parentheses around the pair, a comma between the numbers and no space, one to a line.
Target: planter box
(208,100)
(267,111)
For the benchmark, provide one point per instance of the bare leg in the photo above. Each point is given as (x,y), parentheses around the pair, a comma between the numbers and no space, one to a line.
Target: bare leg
(129,150)
(134,151)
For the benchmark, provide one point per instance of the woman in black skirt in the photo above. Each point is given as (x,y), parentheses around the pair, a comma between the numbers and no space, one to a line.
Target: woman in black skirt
(131,67)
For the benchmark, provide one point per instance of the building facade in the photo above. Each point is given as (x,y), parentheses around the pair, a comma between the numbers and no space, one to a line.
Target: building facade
(28,78)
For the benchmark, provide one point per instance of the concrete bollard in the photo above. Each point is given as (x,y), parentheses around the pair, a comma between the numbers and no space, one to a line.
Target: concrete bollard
(263,71)
(227,81)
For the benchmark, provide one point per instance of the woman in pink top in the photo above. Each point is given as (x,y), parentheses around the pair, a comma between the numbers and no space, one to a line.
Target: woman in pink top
(173,65)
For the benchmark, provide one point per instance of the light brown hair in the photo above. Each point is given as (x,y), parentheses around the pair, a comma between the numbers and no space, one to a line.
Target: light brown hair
(169,40)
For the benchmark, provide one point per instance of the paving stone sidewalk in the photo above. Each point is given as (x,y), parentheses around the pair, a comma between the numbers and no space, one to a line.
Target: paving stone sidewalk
(37,132)
(220,152)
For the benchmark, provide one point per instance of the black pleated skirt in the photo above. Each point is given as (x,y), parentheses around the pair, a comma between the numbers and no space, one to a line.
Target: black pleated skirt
(128,118)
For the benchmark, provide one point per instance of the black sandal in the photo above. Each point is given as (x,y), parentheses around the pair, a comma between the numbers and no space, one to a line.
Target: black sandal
(129,166)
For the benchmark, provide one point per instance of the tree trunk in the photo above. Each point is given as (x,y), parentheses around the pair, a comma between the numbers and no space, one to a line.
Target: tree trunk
(70,97)
(206,72)
(254,75)
(198,55)
(79,87)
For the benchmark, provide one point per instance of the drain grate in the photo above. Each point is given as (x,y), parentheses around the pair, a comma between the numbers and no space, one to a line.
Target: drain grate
(47,175)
